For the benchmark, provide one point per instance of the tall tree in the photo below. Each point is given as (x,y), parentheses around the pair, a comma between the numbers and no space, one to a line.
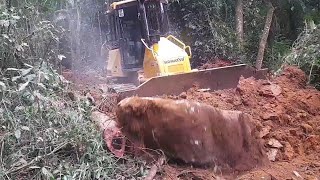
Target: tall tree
(239,21)
(264,37)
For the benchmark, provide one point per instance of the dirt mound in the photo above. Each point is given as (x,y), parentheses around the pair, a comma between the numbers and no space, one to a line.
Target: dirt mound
(292,77)
(285,111)
(285,105)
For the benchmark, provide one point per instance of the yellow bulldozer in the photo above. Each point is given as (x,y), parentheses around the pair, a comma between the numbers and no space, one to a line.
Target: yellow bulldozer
(144,60)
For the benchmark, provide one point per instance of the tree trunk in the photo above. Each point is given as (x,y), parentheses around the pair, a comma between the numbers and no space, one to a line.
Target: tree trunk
(239,21)
(264,38)
(75,29)
(78,38)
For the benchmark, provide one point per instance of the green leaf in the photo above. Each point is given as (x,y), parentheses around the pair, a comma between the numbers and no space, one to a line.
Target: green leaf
(30,77)
(4,23)
(15,17)
(19,108)
(60,57)
(38,95)
(25,44)
(23,86)
(34,167)
(46,172)
(28,65)
(5,13)
(13,21)
(19,48)
(4,35)
(15,78)
(17,134)
(26,128)
(25,71)
(45,75)
(42,85)
(13,69)
(4,87)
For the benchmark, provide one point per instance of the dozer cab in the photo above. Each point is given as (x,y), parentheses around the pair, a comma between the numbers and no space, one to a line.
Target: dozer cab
(144,60)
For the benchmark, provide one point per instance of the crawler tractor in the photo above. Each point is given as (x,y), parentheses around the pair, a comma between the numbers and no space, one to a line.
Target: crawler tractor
(143,59)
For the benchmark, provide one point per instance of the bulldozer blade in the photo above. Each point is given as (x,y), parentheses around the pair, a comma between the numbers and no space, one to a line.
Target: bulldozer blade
(214,79)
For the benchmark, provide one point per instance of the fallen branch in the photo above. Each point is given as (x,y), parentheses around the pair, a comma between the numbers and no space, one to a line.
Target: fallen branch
(154,169)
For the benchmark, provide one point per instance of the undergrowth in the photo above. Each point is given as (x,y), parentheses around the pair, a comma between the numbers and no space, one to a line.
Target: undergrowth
(44,134)
(305,53)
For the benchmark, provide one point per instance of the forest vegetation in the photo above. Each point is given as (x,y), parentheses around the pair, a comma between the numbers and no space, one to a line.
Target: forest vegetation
(46,135)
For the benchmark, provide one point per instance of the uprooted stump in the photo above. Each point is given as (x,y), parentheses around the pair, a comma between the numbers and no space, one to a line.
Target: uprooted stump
(195,133)
(112,135)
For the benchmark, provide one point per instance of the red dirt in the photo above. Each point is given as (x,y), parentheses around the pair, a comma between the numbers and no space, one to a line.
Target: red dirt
(285,110)
(285,104)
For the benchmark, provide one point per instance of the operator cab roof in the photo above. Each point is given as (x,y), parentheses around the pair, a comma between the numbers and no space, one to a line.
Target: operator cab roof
(128,3)
(123,4)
